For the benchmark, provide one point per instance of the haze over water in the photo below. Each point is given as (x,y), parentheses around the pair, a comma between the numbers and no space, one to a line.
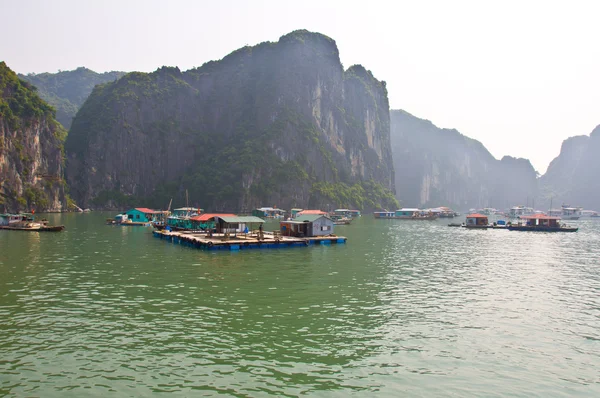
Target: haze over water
(404,307)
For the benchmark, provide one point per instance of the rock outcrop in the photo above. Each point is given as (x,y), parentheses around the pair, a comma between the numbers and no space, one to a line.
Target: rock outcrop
(572,177)
(31,148)
(66,91)
(275,124)
(436,167)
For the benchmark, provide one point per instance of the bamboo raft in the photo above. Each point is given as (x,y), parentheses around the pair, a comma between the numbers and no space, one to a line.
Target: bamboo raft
(241,241)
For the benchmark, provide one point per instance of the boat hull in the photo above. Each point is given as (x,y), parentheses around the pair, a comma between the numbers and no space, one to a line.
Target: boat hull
(540,229)
(56,228)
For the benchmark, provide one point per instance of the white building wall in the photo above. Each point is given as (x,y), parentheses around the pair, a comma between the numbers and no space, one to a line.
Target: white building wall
(322,226)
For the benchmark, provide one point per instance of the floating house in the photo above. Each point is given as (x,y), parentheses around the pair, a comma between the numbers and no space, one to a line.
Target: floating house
(294,212)
(384,214)
(477,220)
(138,216)
(268,212)
(307,225)
(237,224)
(355,213)
(442,212)
(143,214)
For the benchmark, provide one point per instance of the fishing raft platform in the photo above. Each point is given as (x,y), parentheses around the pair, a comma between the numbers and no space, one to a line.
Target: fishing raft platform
(201,240)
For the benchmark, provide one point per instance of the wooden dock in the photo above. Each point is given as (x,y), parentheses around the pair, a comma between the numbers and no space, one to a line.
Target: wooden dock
(201,240)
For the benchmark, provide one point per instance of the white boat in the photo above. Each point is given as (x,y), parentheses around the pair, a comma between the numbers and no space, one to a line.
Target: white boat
(571,213)
(520,211)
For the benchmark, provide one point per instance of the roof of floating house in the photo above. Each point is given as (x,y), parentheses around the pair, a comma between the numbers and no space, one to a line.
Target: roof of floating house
(408,209)
(231,219)
(539,217)
(146,210)
(208,216)
(310,217)
(320,212)
(476,215)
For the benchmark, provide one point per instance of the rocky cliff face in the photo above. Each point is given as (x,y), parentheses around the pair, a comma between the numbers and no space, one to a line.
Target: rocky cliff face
(31,144)
(436,167)
(275,124)
(67,90)
(572,177)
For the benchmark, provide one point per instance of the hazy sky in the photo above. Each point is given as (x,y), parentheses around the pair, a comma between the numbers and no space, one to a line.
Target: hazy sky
(520,76)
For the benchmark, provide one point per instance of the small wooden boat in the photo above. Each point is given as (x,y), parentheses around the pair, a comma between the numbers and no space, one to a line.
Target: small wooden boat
(472,226)
(454,224)
(341,220)
(26,222)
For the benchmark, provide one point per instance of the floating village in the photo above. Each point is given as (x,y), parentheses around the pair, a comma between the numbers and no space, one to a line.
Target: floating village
(191,226)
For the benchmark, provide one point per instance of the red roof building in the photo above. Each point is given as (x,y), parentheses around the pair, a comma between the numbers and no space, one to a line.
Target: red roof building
(477,220)
(208,216)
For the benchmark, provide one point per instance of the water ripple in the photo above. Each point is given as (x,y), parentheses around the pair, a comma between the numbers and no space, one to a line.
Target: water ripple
(411,308)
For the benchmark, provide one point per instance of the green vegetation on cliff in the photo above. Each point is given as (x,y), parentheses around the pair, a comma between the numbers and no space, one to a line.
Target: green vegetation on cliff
(31,148)
(19,102)
(67,90)
(275,124)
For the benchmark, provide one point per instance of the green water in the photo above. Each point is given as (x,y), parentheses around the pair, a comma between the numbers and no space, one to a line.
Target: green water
(405,308)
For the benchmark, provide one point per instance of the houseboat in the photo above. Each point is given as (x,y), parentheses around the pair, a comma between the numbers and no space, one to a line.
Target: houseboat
(540,223)
(26,222)
(354,213)
(269,212)
(341,216)
(406,214)
(477,221)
